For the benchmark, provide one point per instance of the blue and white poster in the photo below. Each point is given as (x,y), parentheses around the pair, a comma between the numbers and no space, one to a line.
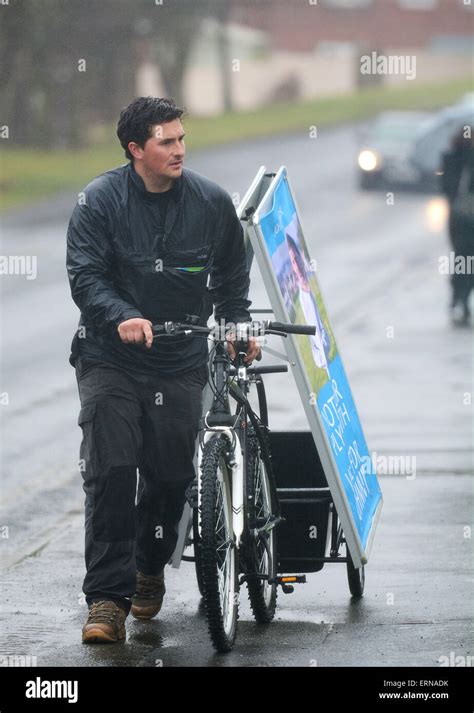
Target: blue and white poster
(328,392)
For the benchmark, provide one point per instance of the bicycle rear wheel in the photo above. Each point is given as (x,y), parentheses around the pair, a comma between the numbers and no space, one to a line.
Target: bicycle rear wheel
(261,550)
(218,555)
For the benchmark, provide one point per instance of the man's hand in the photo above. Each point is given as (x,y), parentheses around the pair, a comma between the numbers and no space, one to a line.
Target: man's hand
(253,350)
(136,331)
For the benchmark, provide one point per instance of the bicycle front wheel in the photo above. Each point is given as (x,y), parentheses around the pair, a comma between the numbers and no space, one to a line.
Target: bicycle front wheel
(218,556)
(197,551)
(262,548)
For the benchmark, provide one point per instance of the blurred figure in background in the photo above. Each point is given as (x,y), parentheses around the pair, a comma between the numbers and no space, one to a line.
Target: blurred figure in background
(457,183)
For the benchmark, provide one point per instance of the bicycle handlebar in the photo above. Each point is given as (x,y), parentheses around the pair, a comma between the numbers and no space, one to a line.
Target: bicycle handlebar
(254,328)
(292,328)
(269,369)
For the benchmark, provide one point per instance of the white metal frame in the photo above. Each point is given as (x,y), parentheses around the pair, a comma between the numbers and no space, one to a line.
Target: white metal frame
(359,555)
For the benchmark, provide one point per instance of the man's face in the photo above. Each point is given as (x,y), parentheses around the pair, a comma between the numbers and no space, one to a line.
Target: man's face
(163,153)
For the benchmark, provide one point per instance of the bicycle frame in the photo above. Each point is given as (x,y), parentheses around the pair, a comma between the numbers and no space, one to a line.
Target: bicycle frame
(245,527)
(234,427)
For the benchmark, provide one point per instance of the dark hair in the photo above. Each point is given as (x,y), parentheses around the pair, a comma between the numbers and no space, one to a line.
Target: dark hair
(297,253)
(140,115)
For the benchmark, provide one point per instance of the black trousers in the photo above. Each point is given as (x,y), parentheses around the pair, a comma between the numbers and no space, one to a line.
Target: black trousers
(461,232)
(134,425)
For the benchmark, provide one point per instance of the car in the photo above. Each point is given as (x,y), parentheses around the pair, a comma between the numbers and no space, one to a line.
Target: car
(386,148)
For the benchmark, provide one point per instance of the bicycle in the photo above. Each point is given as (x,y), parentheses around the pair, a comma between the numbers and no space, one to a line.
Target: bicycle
(236,513)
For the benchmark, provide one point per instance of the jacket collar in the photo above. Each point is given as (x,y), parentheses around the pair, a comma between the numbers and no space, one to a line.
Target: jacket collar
(175,192)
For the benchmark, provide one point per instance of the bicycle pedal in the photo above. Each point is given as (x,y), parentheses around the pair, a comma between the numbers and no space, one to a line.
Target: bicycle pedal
(286,582)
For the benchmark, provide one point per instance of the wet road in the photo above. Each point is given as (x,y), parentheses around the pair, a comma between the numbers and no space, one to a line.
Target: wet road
(411,375)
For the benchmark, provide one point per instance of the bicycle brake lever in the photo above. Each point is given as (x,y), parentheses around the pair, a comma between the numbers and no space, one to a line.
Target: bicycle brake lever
(274,331)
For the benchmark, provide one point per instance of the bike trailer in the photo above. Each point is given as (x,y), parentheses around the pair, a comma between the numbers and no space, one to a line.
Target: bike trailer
(304,538)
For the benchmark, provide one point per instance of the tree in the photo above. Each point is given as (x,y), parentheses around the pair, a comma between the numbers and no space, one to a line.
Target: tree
(68,64)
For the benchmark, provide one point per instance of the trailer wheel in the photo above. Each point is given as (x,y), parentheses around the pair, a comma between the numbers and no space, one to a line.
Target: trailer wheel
(355,577)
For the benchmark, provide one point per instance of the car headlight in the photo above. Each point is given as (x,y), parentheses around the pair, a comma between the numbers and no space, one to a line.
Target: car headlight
(368,160)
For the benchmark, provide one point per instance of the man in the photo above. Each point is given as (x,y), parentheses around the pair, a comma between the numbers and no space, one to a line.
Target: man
(147,242)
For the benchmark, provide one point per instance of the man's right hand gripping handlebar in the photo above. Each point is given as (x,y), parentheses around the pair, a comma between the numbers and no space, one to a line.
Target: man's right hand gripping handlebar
(136,331)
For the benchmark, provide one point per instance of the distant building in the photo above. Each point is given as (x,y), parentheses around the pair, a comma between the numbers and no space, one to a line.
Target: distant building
(301,25)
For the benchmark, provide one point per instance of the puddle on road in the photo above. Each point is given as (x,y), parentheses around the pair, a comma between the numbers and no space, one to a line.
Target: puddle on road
(306,617)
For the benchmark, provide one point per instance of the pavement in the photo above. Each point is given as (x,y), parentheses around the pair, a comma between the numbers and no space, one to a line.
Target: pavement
(411,374)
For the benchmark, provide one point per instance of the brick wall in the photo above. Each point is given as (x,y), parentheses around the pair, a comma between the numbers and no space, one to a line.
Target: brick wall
(296,25)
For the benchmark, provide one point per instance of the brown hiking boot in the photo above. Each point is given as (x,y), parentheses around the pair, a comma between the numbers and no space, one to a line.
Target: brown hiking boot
(148,598)
(105,623)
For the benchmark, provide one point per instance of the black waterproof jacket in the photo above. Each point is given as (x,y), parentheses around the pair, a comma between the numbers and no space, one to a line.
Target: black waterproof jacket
(122,264)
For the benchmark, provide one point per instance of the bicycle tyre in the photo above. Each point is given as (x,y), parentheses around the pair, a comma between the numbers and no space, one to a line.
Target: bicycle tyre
(262,595)
(197,551)
(218,556)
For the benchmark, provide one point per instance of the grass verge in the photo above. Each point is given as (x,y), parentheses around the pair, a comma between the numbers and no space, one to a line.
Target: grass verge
(28,174)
